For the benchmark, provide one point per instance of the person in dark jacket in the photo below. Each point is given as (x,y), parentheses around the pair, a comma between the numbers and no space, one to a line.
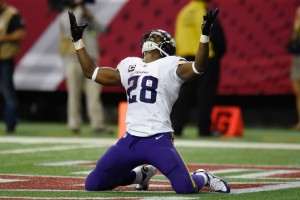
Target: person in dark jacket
(199,94)
(12,32)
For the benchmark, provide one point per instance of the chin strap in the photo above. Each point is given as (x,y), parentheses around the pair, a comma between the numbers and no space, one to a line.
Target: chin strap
(161,51)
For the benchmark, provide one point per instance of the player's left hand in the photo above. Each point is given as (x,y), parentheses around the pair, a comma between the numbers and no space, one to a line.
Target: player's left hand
(208,21)
(76,30)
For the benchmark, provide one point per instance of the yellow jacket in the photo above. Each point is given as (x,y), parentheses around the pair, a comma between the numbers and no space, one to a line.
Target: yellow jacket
(8,50)
(188,29)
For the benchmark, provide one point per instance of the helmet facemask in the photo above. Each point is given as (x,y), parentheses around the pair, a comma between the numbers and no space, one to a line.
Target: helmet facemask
(166,47)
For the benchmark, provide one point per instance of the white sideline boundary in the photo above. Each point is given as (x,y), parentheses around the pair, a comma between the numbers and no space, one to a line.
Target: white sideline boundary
(178,142)
(52,148)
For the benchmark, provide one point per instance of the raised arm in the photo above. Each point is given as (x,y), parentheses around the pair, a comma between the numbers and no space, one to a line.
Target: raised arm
(189,71)
(102,75)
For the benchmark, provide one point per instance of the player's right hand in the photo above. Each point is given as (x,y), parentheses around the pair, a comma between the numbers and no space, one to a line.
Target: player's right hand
(208,21)
(76,30)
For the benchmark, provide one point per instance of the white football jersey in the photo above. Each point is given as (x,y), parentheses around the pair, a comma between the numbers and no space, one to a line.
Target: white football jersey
(152,89)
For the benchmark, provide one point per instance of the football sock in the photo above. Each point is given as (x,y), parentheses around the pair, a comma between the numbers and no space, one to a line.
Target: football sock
(200,179)
(129,179)
(138,176)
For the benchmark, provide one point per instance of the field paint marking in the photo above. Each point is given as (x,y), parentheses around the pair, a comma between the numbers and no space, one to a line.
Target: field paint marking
(178,142)
(252,167)
(56,140)
(287,185)
(264,175)
(35,175)
(221,171)
(10,180)
(270,186)
(43,149)
(67,163)
(82,172)
(237,145)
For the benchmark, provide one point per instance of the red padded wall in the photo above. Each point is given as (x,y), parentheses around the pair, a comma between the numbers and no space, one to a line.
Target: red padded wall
(136,18)
(256,61)
(257,31)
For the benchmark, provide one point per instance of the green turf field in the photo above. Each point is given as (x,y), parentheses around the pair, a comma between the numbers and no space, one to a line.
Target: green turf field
(45,161)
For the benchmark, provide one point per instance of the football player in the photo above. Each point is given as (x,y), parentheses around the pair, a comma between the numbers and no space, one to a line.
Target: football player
(152,84)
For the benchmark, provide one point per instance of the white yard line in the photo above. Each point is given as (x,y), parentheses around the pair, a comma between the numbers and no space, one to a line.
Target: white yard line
(56,140)
(237,145)
(178,142)
(10,180)
(66,163)
(265,174)
(52,148)
(287,185)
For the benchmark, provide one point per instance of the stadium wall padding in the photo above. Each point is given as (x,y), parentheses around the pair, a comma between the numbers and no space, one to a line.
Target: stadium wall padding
(256,62)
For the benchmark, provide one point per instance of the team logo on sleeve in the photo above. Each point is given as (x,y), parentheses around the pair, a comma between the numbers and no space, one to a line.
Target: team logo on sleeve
(131,68)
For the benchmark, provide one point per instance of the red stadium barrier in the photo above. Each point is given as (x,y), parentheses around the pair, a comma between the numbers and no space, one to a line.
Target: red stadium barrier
(256,61)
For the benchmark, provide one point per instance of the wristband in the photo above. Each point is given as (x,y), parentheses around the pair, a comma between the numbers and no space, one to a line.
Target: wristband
(194,69)
(95,74)
(204,38)
(78,44)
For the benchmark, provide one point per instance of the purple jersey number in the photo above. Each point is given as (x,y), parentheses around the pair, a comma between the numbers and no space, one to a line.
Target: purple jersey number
(149,84)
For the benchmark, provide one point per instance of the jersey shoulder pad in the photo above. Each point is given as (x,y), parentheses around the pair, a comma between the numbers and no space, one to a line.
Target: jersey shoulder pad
(129,60)
(179,60)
